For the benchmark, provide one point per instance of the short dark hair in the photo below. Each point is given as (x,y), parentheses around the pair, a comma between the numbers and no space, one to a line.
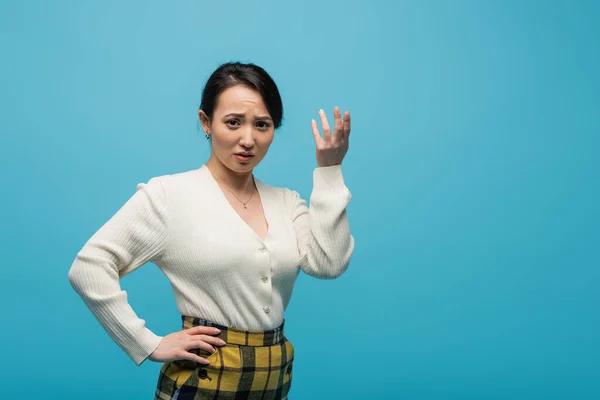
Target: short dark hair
(247,74)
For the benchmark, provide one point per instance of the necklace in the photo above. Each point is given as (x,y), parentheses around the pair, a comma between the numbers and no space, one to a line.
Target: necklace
(243,203)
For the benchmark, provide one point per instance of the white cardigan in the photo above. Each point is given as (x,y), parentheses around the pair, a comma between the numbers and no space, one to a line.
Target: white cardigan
(219,268)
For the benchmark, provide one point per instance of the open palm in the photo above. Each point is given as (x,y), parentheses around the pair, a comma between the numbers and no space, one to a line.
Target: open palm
(332,146)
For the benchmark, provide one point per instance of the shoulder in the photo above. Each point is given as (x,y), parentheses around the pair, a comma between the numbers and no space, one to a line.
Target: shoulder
(163,189)
(175,181)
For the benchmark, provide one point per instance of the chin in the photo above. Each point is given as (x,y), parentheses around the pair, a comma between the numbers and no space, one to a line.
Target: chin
(241,168)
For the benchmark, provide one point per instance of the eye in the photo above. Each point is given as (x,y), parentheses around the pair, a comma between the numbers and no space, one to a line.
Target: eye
(263,125)
(232,122)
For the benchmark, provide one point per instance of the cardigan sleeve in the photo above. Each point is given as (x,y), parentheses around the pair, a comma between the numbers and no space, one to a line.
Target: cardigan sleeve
(324,241)
(136,234)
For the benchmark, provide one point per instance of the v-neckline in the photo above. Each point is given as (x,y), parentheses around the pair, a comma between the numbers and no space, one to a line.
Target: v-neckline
(263,202)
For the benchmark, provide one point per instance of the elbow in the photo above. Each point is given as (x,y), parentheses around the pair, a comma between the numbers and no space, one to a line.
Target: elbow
(74,277)
(328,263)
(330,270)
(339,265)
(337,271)
(78,276)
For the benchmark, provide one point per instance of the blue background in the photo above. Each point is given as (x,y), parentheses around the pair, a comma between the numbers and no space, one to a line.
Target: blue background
(473,165)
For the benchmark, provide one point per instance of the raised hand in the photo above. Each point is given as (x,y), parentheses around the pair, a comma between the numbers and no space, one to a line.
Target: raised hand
(332,146)
(177,345)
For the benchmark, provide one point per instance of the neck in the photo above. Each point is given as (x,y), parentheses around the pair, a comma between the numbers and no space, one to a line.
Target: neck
(236,181)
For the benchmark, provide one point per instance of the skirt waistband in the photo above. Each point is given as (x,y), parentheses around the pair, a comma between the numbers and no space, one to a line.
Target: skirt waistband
(238,336)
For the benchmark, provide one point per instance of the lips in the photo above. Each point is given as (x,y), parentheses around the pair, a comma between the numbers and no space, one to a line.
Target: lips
(244,157)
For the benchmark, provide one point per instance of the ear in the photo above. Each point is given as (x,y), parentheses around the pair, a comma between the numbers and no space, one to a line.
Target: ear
(204,120)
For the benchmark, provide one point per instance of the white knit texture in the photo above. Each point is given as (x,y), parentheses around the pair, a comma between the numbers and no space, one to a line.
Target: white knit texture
(218,267)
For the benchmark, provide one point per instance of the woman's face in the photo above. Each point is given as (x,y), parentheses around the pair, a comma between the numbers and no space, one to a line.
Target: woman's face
(241,124)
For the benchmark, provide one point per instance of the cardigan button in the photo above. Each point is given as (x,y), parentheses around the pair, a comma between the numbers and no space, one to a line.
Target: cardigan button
(262,249)
(267,309)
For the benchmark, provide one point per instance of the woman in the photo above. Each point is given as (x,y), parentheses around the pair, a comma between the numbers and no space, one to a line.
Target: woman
(231,246)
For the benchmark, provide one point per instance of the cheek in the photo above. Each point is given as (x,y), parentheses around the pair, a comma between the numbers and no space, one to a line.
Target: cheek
(224,140)
(265,140)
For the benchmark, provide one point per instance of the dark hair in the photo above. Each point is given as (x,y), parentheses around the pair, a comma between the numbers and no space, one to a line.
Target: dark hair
(247,74)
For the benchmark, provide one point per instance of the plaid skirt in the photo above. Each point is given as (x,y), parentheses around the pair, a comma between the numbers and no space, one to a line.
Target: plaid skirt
(252,365)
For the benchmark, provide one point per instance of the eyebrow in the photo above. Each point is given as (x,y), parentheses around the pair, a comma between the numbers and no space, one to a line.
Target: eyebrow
(262,117)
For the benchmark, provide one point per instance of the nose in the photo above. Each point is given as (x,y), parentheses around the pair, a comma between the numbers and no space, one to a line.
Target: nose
(247,139)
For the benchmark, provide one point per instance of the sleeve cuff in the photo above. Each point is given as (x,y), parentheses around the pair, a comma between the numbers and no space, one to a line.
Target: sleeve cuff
(149,343)
(329,179)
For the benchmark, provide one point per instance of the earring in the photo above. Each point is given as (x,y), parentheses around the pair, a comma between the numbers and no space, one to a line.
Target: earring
(207,136)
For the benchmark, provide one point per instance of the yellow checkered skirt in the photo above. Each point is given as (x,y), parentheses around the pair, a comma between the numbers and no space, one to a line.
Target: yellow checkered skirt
(252,365)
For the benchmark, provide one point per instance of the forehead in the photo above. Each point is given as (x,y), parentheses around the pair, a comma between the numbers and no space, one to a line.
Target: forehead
(240,98)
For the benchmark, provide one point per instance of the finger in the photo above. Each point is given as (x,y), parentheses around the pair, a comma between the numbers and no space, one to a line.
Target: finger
(315,130)
(210,339)
(201,329)
(325,125)
(199,344)
(195,357)
(346,128)
(338,123)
